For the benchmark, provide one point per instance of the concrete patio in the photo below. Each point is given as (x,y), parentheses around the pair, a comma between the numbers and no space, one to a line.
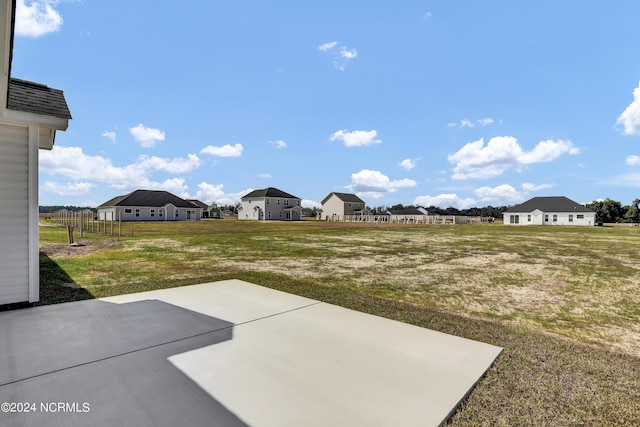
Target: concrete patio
(225,354)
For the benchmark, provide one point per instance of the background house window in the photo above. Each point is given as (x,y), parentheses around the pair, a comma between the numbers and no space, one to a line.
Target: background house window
(580,216)
(177,213)
(137,212)
(160,212)
(529,218)
(514,219)
(128,210)
(570,218)
(555,218)
(546,217)
(153,213)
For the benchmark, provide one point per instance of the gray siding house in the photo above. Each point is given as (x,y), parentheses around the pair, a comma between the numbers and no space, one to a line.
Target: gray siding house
(336,205)
(270,204)
(149,205)
(30,115)
(557,210)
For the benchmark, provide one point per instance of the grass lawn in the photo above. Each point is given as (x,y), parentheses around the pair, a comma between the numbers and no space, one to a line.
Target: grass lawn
(564,302)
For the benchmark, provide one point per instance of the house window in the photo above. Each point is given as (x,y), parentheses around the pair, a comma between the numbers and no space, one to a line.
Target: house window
(267,201)
(160,212)
(269,214)
(278,201)
(514,219)
(546,217)
(280,214)
(137,212)
(177,213)
(580,216)
(570,218)
(128,210)
(286,202)
(153,213)
(555,218)
(529,218)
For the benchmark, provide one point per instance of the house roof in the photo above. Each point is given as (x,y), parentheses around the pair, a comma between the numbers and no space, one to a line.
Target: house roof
(269,192)
(549,204)
(345,197)
(406,211)
(148,198)
(36,98)
(198,203)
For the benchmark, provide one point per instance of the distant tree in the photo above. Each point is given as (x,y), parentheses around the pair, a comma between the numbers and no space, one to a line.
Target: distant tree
(607,210)
(632,212)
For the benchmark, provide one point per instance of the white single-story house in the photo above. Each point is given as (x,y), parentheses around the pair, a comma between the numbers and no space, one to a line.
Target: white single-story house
(30,115)
(270,204)
(556,210)
(338,205)
(409,214)
(149,205)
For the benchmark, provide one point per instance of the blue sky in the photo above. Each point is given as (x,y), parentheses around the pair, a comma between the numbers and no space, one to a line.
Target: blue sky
(460,104)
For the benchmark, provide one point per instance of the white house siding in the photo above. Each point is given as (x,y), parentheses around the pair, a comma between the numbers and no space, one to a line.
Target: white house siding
(166,213)
(336,209)
(268,208)
(15,223)
(552,218)
(252,209)
(333,208)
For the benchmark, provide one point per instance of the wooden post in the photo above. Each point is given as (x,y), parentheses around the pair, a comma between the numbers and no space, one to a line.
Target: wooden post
(70,234)
(81,225)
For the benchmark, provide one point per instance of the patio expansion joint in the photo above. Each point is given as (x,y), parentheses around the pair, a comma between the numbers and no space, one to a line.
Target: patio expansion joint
(113,356)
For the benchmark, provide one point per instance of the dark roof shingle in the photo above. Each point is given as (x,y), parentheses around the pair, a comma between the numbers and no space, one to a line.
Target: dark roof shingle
(549,204)
(269,192)
(148,198)
(36,98)
(345,197)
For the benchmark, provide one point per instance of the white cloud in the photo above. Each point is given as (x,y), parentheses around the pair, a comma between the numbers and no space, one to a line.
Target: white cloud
(305,203)
(466,123)
(502,195)
(73,163)
(214,193)
(630,117)
(633,160)
(327,46)
(547,151)
(341,54)
(475,160)
(348,53)
(147,137)
(265,175)
(374,184)
(224,151)
(175,166)
(444,201)
(357,138)
(69,188)
(111,136)
(279,143)
(528,187)
(409,164)
(37,18)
